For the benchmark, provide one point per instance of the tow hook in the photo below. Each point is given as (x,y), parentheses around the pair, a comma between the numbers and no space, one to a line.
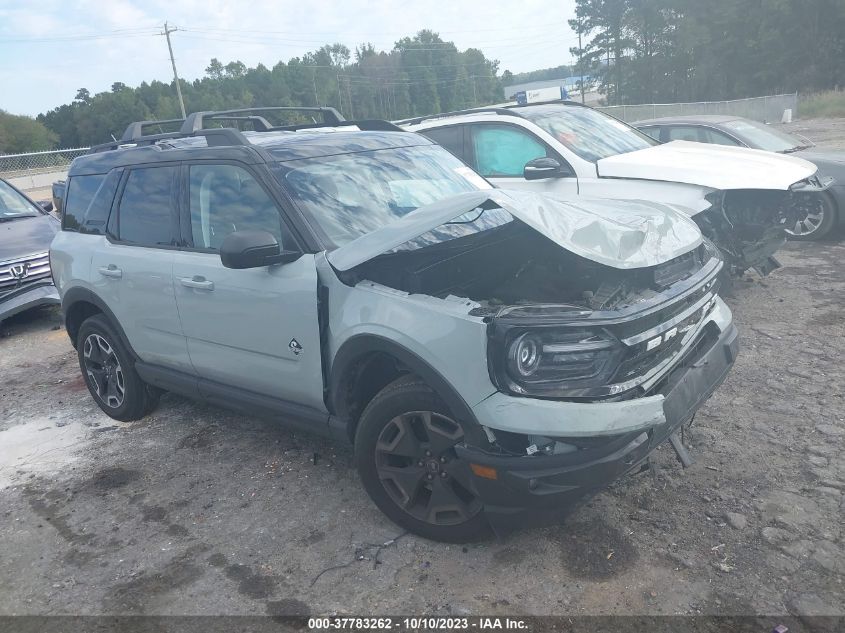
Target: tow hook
(680,450)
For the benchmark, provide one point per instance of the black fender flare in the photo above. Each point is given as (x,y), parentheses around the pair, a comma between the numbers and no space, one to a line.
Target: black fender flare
(78,295)
(356,347)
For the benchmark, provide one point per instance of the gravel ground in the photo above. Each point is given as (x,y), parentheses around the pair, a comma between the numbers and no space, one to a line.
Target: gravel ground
(195,510)
(825,133)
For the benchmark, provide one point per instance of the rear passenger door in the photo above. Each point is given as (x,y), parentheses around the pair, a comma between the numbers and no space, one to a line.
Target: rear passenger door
(132,270)
(451,138)
(255,329)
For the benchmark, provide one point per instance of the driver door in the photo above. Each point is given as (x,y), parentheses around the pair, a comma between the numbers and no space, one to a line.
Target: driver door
(500,151)
(255,329)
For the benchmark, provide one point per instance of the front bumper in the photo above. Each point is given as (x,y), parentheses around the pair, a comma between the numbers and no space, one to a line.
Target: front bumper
(549,484)
(28,297)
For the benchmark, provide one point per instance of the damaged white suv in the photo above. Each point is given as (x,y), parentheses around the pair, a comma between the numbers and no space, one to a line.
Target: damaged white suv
(741,198)
(487,352)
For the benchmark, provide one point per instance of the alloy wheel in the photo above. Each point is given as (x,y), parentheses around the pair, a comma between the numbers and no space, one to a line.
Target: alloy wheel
(104,371)
(418,467)
(808,224)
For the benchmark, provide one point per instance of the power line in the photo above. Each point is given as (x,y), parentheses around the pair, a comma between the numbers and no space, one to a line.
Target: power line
(331,33)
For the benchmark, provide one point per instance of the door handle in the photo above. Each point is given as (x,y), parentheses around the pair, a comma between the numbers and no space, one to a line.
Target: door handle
(110,271)
(197,281)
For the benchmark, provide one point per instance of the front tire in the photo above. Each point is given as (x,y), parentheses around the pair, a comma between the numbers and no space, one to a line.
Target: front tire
(109,372)
(405,455)
(816,226)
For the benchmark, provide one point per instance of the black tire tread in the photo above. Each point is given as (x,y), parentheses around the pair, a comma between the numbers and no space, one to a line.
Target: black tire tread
(139,398)
(408,386)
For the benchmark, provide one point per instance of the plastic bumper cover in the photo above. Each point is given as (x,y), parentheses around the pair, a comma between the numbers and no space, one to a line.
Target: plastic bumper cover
(26,298)
(550,483)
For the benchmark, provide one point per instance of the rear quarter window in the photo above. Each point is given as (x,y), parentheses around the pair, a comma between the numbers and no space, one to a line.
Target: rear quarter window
(146,214)
(88,202)
(450,137)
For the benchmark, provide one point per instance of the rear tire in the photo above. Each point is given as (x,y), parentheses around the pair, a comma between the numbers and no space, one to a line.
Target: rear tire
(816,226)
(109,372)
(404,452)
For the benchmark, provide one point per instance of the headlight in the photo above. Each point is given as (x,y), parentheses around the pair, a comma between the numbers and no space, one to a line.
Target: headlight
(550,361)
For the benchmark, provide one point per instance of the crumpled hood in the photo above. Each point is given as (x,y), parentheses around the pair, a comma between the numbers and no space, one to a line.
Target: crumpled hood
(714,166)
(25,236)
(618,233)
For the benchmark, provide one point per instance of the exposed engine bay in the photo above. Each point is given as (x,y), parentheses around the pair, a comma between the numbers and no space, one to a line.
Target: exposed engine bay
(534,270)
(748,224)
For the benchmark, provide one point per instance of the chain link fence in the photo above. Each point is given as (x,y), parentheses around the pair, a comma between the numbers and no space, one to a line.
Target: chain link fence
(765,109)
(14,165)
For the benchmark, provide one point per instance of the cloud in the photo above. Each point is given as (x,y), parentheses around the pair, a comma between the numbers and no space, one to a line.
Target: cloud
(38,75)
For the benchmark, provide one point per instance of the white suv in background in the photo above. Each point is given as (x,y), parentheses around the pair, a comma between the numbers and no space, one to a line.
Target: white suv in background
(741,198)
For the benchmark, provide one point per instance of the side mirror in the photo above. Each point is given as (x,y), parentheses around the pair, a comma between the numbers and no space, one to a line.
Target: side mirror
(545,167)
(253,249)
(47,205)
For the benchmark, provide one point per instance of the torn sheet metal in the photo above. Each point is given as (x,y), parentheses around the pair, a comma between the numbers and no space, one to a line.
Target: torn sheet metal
(621,234)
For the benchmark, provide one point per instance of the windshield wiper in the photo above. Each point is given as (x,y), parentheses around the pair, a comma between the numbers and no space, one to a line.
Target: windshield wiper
(9,218)
(797,148)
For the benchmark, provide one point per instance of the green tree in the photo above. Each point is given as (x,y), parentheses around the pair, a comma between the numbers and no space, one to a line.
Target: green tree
(20,134)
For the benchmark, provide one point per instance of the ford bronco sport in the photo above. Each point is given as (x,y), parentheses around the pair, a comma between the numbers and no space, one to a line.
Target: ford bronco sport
(486,352)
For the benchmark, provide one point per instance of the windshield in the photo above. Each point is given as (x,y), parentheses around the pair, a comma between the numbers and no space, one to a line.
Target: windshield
(351,195)
(762,136)
(13,205)
(589,133)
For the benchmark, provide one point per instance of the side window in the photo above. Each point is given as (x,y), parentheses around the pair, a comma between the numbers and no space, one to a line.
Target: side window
(653,132)
(80,193)
(227,198)
(89,200)
(450,137)
(145,215)
(718,138)
(685,133)
(503,150)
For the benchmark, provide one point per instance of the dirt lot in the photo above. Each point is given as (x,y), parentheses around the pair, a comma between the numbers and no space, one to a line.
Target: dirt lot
(198,511)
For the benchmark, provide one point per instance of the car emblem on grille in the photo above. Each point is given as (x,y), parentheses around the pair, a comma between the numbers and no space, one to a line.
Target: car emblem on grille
(19,271)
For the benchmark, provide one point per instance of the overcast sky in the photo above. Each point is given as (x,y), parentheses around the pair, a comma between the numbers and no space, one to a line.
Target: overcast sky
(51,48)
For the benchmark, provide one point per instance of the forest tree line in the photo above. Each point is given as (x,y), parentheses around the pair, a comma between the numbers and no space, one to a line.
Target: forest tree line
(641,51)
(659,51)
(420,75)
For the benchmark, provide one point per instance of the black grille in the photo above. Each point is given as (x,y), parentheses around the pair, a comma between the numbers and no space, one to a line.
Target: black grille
(640,359)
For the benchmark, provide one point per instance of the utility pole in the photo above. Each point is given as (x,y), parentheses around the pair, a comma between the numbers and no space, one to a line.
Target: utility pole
(167,32)
(580,60)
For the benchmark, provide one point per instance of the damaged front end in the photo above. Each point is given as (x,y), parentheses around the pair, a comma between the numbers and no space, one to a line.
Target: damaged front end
(588,391)
(749,224)
(601,326)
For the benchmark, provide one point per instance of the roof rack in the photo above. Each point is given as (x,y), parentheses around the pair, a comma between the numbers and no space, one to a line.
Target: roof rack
(220,136)
(196,121)
(135,131)
(215,137)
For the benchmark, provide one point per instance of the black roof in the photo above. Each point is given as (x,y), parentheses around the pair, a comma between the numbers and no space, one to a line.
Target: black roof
(700,119)
(267,144)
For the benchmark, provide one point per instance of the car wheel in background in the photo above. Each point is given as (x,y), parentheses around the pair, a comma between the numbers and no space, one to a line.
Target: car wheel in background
(405,455)
(816,225)
(109,372)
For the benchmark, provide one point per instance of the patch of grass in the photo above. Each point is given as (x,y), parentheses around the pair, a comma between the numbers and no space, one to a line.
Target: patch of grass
(822,104)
